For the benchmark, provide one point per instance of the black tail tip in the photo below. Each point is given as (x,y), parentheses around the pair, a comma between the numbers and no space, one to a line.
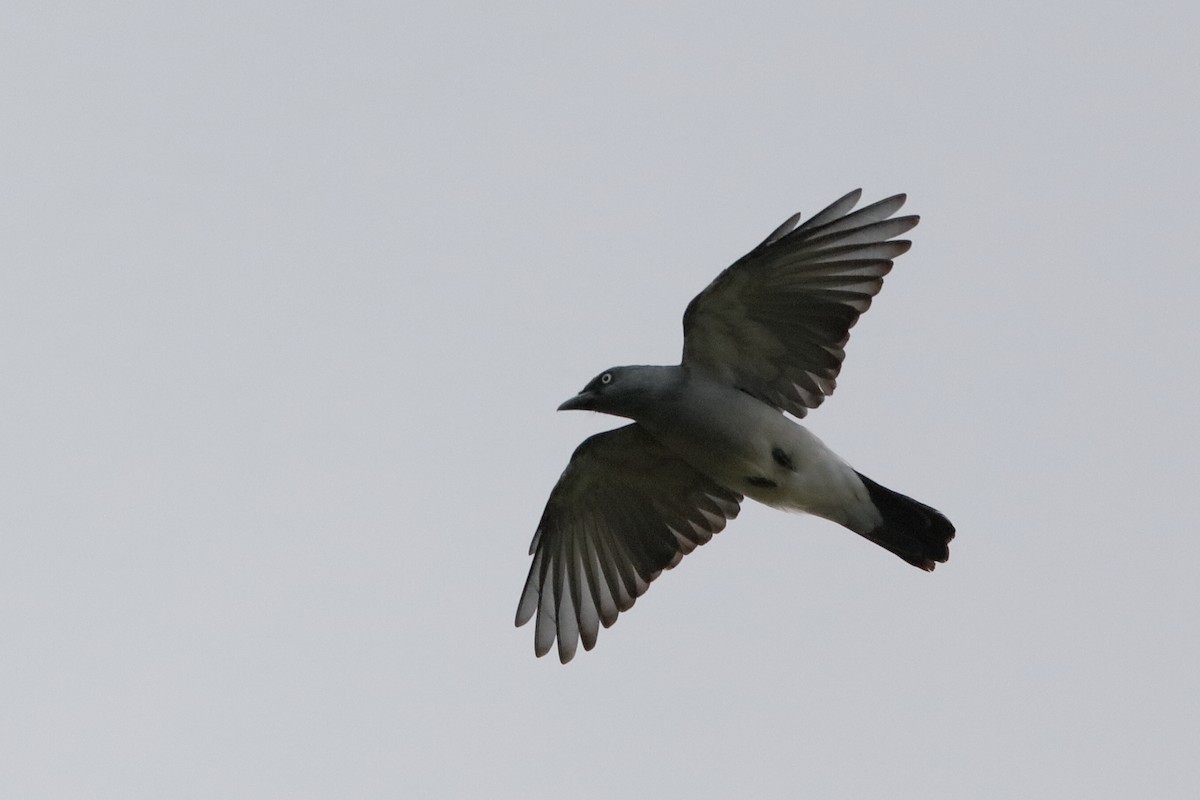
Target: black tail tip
(912,530)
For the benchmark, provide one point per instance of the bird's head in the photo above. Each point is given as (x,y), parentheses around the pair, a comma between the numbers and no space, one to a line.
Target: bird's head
(621,391)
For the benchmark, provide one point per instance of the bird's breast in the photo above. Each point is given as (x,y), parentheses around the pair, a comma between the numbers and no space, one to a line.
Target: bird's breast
(726,434)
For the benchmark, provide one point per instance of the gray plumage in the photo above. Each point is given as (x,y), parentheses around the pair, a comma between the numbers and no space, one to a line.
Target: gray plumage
(765,337)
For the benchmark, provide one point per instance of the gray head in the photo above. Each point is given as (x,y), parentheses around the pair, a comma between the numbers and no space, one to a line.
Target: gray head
(623,391)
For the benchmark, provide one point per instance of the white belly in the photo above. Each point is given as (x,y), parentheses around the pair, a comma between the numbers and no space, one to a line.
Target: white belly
(766,456)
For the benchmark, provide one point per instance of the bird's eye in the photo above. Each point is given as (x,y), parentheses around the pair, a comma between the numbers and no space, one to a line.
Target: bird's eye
(606,377)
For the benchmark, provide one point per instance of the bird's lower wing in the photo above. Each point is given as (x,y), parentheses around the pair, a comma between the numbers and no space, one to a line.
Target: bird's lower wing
(624,510)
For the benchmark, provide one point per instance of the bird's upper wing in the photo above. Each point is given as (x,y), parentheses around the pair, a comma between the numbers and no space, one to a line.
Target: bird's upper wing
(624,510)
(775,323)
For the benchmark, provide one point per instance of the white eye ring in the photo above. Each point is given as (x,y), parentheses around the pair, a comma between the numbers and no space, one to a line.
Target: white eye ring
(606,377)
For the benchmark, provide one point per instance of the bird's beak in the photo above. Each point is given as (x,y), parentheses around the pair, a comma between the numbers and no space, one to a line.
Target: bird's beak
(580,402)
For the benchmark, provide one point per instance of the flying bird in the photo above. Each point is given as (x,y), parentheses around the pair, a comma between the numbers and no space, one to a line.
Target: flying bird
(764,338)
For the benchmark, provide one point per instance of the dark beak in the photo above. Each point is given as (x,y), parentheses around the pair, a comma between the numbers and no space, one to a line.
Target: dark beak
(580,402)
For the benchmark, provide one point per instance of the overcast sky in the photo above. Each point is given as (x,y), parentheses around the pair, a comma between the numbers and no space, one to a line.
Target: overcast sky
(289,293)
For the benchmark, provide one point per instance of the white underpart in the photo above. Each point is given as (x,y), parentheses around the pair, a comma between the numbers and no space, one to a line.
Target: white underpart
(737,444)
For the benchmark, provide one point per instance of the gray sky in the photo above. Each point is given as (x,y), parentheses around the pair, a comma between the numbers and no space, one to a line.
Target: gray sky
(290,293)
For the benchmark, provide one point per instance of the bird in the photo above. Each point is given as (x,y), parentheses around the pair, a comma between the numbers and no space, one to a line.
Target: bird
(764,340)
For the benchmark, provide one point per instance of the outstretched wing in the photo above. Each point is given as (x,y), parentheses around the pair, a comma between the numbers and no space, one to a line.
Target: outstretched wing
(775,323)
(624,510)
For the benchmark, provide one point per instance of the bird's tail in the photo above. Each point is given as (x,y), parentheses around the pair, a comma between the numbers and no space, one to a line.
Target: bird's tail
(912,530)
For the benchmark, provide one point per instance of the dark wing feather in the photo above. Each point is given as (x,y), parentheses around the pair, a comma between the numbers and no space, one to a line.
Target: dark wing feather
(775,324)
(624,510)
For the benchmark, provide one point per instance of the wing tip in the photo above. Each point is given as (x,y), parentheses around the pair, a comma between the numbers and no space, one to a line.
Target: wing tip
(566,649)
